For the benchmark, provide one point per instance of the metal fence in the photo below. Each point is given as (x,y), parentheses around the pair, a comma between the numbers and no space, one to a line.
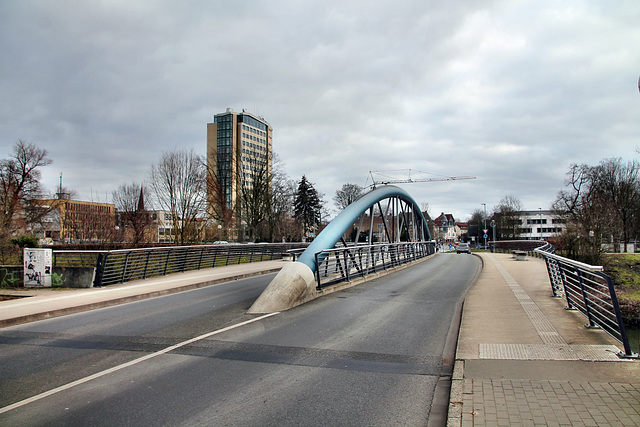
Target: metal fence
(587,289)
(119,266)
(521,245)
(345,263)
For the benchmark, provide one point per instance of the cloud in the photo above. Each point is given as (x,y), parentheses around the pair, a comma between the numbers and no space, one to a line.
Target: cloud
(510,92)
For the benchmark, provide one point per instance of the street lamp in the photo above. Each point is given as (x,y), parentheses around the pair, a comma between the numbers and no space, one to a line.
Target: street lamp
(485,226)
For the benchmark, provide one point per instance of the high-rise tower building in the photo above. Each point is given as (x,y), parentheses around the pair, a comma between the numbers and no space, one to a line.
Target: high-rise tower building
(239,151)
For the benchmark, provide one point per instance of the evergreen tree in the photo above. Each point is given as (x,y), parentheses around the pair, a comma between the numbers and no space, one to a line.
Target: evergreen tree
(307,206)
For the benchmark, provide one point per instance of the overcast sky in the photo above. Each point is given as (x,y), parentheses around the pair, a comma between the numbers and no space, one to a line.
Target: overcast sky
(512,92)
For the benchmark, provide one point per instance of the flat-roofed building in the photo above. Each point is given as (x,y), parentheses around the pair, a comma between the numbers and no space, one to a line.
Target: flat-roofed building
(239,152)
(78,221)
(540,224)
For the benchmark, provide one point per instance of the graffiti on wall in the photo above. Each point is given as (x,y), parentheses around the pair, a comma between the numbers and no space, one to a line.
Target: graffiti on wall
(10,277)
(57,280)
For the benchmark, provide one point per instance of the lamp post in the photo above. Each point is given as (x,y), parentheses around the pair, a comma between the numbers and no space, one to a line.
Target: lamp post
(493,226)
(485,226)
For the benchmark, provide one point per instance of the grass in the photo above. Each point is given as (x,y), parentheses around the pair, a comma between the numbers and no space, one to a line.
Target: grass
(624,269)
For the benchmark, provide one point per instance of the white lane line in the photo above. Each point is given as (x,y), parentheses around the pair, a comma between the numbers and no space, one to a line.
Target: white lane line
(126,365)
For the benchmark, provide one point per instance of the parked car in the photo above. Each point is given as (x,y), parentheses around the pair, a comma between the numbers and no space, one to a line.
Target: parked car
(463,248)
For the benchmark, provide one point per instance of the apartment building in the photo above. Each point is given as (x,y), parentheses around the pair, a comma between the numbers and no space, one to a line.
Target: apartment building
(239,152)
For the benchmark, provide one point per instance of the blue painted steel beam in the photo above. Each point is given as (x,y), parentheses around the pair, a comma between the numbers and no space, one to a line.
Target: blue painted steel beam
(328,238)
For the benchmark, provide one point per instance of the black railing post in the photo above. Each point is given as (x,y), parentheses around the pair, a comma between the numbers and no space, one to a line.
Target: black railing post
(346,264)
(102,260)
(166,262)
(183,263)
(318,285)
(146,264)
(124,267)
(567,296)
(552,275)
(200,259)
(616,309)
(585,298)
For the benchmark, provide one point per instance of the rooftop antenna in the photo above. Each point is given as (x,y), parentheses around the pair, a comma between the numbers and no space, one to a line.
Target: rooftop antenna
(60,194)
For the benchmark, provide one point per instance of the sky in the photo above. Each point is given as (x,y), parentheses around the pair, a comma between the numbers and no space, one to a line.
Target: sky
(511,92)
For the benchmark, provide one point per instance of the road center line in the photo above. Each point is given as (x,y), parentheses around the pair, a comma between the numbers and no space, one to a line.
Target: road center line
(127,364)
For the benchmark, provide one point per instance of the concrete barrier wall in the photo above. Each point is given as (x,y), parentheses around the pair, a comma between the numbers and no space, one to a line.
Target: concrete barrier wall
(12,276)
(73,277)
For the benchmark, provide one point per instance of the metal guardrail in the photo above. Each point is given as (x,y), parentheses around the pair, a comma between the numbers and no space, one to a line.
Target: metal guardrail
(344,263)
(119,266)
(591,292)
(521,245)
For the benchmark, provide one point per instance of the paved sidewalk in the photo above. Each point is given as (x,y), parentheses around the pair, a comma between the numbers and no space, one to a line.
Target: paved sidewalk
(522,359)
(42,303)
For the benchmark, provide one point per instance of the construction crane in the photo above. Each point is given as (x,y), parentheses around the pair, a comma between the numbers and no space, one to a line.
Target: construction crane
(391,180)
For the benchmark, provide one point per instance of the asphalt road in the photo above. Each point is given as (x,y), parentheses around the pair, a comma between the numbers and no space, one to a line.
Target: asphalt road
(370,355)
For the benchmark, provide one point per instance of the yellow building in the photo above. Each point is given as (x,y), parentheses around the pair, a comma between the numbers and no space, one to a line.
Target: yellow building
(78,221)
(239,149)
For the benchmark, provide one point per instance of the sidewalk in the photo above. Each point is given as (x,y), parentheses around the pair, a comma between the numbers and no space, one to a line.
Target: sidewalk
(522,359)
(42,303)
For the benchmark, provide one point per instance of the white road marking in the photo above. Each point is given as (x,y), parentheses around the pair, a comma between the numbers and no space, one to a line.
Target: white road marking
(126,365)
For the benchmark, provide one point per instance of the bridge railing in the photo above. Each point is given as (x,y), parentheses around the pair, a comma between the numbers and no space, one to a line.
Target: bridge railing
(591,292)
(119,266)
(529,246)
(346,263)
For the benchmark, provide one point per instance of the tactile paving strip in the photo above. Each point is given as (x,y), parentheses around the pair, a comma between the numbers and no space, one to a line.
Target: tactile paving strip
(549,352)
(545,329)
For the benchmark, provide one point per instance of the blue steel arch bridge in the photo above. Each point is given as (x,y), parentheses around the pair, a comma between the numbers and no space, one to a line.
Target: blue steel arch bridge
(403,236)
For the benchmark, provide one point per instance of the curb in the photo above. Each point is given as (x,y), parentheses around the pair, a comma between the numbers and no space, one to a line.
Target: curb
(454,414)
(131,298)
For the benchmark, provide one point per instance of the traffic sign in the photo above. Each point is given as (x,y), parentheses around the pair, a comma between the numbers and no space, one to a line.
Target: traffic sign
(485,231)
(486,235)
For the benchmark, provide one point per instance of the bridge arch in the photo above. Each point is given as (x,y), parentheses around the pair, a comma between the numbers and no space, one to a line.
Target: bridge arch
(401,217)
(400,220)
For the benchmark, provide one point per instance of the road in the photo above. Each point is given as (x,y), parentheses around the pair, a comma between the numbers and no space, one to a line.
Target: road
(369,355)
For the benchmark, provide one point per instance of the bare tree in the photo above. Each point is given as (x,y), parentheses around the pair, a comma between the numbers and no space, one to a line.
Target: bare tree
(348,194)
(476,223)
(255,196)
(179,180)
(618,184)
(220,206)
(507,216)
(601,201)
(281,223)
(129,200)
(585,214)
(20,187)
